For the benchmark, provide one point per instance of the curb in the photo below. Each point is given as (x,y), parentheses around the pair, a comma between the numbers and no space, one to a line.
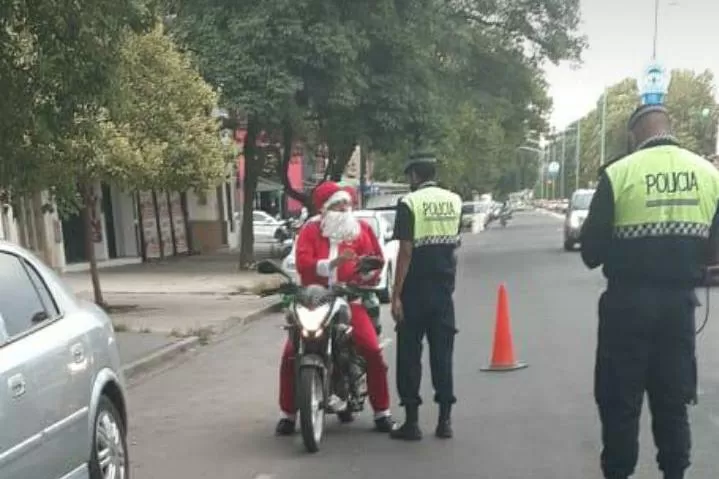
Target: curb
(259,313)
(166,353)
(160,356)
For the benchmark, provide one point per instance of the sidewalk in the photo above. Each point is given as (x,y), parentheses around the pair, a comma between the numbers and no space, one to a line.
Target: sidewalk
(202,274)
(161,309)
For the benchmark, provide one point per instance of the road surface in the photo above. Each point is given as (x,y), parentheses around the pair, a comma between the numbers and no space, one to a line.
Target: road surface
(212,414)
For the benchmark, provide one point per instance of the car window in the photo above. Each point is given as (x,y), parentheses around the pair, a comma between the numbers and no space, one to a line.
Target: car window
(467,208)
(258,217)
(20,304)
(47,300)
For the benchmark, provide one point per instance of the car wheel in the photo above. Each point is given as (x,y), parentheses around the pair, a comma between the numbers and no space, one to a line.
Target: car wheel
(385,296)
(568,245)
(109,458)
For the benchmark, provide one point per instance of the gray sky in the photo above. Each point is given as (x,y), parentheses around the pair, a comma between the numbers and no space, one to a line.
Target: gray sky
(620,45)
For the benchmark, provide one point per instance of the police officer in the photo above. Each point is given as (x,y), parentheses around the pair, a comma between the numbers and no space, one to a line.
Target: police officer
(652,220)
(427,226)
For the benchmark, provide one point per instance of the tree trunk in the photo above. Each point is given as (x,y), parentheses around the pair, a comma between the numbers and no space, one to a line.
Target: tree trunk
(253,167)
(88,205)
(287,152)
(340,154)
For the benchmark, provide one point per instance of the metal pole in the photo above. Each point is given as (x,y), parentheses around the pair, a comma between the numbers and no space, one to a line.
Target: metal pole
(562,180)
(656,29)
(554,160)
(604,127)
(577,153)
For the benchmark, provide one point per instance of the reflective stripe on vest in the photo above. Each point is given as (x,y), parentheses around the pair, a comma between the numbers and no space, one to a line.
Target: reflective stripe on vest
(663,191)
(437,215)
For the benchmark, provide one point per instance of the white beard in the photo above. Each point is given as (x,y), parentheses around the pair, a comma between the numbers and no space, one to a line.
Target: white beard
(340,226)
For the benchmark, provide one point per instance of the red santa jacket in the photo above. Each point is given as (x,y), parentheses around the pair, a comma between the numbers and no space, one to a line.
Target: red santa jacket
(313,251)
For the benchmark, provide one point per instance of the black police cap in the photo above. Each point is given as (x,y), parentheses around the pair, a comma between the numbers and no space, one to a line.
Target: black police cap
(418,159)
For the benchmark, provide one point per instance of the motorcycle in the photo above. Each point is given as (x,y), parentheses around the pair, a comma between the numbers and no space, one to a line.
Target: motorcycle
(504,217)
(330,376)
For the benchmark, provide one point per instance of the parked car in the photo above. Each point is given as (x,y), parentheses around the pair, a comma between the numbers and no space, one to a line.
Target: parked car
(475,211)
(265,226)
(63,410)
(390,248)
(575,214)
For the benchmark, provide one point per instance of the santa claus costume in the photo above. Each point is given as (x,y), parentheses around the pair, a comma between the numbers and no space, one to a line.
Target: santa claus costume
(322,239)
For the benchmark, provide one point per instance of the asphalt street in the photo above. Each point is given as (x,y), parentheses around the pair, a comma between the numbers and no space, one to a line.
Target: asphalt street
(212,414)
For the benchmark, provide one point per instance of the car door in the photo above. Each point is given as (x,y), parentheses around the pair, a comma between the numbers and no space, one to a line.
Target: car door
(64,377)
(22,353)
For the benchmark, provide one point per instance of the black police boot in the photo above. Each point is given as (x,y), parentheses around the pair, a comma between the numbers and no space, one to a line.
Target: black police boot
(444,424)
(285,427)
(674,475)
(409,431)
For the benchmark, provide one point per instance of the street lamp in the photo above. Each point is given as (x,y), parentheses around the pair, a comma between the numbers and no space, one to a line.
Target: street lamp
(577,126)
(656,25)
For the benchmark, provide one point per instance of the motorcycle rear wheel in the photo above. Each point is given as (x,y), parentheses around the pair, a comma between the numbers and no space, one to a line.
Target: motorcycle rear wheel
(311,407)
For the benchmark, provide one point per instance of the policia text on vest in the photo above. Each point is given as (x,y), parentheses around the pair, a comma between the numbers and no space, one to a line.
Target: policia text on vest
(650,225)
(430,218)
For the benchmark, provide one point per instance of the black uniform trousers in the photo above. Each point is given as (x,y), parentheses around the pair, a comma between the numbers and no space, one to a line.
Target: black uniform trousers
(646,343)
(428,311)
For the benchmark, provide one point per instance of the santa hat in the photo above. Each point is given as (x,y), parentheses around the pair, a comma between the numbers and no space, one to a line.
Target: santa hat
(327,194)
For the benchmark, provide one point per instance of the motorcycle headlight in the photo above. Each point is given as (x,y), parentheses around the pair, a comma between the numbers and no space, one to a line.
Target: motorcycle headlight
(311,319)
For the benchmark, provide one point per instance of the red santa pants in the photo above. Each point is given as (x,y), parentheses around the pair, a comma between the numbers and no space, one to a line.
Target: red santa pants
(365,340)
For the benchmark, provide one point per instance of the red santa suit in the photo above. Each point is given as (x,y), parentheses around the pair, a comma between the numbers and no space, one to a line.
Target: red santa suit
(313,254)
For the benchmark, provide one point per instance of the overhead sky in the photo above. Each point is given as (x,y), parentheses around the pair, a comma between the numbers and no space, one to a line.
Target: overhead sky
(620,35)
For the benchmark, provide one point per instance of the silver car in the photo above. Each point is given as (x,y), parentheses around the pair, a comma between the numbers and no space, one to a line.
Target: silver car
(575,214)
(62,397)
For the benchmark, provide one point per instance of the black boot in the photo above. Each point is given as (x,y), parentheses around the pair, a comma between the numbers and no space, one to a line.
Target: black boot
(674,475)
(444,424)
(409,431)
(285,427)
(383,424)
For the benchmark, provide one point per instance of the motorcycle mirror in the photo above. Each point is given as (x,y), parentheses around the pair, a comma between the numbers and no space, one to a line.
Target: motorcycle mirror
(369,263)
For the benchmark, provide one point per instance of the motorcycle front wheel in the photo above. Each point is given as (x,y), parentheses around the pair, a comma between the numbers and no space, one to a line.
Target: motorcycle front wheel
(311,408)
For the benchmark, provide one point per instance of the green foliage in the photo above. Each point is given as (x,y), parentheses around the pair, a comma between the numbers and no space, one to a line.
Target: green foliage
(168,107)
(692,107)
(57,59)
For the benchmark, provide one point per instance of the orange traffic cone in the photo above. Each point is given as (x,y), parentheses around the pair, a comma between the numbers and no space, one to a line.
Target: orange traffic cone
(503,352)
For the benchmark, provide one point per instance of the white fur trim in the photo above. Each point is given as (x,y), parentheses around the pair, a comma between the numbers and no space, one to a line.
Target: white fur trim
(323,268)
(339,196)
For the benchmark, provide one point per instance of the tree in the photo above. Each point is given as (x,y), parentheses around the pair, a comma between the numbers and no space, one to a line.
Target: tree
(57,60)
(691,105)
(155,132)
(245,50)
(484,75)
(694,113)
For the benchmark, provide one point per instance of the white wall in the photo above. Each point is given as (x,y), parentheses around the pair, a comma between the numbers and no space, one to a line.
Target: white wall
(203,212)
(124,210)
(53,235)
(8,227)
(3,220)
